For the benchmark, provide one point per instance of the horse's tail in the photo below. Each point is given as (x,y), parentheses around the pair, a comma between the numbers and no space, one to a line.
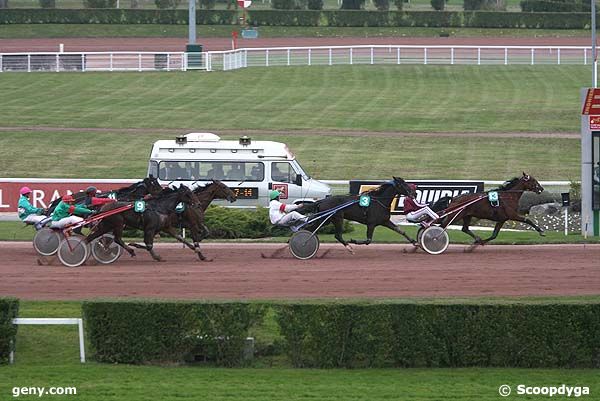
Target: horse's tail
(441,203)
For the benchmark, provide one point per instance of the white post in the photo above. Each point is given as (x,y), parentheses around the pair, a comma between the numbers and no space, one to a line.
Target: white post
(452,56)
(479,56)
(140,62)
(371,56)
(288,56)
(558,55)
(309,54)
(82,62)
(168,61)
(81,344)
(11,356)
(351,56)
(267,58)
(330,62)
(61,48)
(29,63)
(566,221)
(425,55)
(532,56)
(57,63)
(505,56)
(398,56)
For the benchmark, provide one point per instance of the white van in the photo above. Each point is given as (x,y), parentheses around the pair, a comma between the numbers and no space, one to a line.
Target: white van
(250,168)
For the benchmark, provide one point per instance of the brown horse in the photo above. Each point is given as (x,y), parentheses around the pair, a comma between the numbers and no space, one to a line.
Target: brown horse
(508,209)
(153,219)
(192,217)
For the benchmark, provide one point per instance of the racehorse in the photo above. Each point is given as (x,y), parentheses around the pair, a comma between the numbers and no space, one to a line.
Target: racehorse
(508,209)
(153,219)
(192,217)
(376,214)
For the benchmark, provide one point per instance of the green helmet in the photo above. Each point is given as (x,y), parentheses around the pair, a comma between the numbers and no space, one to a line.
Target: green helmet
(274,194)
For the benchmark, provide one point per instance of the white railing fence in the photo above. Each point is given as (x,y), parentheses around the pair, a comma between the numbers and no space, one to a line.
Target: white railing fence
(404,54)
(296,56)
(93,61)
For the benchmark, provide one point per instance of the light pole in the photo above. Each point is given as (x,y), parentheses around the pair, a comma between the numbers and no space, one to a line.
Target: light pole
(595,67)
(192,22)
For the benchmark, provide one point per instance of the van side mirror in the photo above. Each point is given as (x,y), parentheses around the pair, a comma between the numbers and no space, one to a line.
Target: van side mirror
(298,180)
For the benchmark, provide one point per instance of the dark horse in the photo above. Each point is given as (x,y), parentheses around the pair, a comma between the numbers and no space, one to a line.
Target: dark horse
(376,214)
(192,217)
(155,218)
(508,209)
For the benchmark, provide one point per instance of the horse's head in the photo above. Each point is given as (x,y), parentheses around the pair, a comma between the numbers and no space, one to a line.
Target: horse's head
(403,188)
(222,191)
(530,184)
(152,185)
(185,195)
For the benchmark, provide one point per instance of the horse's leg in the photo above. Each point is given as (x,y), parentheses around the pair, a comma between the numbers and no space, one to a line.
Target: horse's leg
(397,229)
(148,244)
(495,233)
(173,232)
(527,220)
(118,234)
(370,229)
(338,222)
(465,229)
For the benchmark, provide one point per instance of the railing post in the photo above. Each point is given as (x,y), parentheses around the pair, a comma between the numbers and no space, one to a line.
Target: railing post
(111,62)
(424,55)
(57,64)
(330,60)
(267,58)
(398,56)
(505,56)
(309,56)
(288,56)
(245,58)
(371,56)
(168,61)
(479,56)
(532,56)
(140,62)
(351,61)
(584,56)
(452,56)
(29,63)
(83,62)
(1,62)
(558,55)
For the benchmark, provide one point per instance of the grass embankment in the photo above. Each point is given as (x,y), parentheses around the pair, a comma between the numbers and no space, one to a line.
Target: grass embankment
(48,356)
(406,98)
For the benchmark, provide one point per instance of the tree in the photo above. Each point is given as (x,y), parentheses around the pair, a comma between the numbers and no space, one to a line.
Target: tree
(48,3)
(438,4)
(399,4)
(163,4)
(353,4)
(382,5)
(3,3)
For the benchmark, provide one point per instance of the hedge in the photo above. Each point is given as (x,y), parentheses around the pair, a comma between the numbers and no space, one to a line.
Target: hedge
(437,19)
(427,335)
(114,16)
(334,18)
(9,308)
(158,332)
(555,6)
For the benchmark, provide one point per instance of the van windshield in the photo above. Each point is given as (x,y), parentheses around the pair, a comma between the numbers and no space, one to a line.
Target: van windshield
(299,168)
(210,170)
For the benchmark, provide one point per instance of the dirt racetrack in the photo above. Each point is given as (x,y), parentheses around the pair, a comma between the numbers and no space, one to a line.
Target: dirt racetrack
(375,271)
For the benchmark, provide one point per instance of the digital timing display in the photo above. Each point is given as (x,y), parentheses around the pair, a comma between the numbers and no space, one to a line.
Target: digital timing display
(246,193)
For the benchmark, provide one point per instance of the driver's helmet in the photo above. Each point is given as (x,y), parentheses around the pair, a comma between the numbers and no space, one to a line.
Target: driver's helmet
(413,186)
(68,198)
(274,194)
(91,190)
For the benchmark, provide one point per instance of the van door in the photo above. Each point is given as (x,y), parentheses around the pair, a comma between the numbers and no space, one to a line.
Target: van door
(285,179)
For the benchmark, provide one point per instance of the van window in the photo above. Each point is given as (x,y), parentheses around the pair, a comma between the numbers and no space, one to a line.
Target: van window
(208,170)
(283,172)
(153,169)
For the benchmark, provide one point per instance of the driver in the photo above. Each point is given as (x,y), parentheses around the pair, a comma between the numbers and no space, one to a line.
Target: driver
(282,214)
(66,211)
(415,210)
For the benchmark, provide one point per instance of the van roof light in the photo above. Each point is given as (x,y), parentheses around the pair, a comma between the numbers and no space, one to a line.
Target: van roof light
(181,140)
(245,140)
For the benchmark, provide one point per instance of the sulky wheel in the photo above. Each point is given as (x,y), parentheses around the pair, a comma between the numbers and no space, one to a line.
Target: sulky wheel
(304,244)
(105,250)
(434,240)
(73,251)
(46,241)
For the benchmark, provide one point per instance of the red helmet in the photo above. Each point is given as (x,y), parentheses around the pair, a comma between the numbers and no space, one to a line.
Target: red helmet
(25,191)
(68,198)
